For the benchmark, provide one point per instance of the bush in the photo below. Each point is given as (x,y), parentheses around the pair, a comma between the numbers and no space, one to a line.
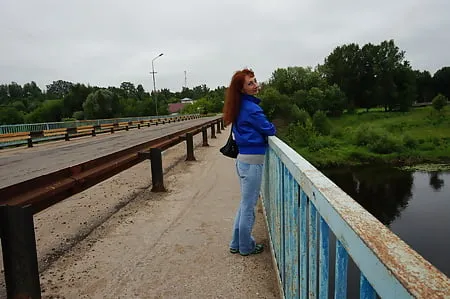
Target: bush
(301,116)
(377,141)
(321,142)
(365,135)
(337,133)
(78,115)
(321,123)
(439,102)
(409,142)
(301,134)
(385,144)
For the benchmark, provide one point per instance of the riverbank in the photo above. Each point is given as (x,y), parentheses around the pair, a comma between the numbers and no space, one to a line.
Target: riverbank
(395,138)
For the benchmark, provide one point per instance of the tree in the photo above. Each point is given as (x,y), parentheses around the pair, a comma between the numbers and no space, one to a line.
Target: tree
(140,92)
(101,104)
(15,91)
(50,110)
(439,102)
(58,89)
(129,91)
(31,90)
(4,97)
(10,116)
(424,85)
(334,100)
(441,80)
(289,80)
(275,104)
(343,67)
(75,98)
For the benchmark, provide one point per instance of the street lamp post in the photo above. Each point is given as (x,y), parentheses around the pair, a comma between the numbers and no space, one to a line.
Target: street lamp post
(154,84)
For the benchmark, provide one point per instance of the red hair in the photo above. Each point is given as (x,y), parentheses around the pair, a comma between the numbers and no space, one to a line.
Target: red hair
(233,95)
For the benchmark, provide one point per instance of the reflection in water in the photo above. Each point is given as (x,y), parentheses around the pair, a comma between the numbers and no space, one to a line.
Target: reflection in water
(436,182)
(421,199)
(383,193)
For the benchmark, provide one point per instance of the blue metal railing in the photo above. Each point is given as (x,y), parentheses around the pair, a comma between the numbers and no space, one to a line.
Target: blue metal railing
(304,209)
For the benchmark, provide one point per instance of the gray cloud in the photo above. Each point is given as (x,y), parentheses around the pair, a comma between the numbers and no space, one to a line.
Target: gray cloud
(106,42)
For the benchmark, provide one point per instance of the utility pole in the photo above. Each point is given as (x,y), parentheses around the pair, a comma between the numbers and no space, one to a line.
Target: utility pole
(185,80)
(154,84)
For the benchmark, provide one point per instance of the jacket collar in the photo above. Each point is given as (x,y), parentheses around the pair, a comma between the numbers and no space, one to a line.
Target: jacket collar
(250,98)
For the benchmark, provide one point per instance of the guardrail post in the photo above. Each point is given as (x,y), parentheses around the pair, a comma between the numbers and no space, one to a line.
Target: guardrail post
(139,126)
(19,252)
(30,142)
(218,127)
(222,125)
(126,128)
(157,170)
(66,137)
(112,130)
(190,147)
(93,132)
(213,130)
(205,136)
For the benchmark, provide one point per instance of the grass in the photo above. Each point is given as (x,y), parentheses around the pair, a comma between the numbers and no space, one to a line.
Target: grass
(376,137)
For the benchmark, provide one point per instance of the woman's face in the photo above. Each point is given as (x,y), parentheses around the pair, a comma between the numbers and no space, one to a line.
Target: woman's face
(251,86)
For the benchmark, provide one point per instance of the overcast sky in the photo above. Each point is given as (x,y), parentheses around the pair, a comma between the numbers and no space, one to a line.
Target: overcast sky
(106,42)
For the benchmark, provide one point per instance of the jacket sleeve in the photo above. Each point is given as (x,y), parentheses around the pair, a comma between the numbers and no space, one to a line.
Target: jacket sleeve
(261,123)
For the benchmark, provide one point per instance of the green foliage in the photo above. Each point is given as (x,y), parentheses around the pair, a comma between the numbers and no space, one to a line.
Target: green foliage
(78,115)
(274,104)
(49,111)
(101,104)
(321,123)
(441,81)
(10,115)
(439,102)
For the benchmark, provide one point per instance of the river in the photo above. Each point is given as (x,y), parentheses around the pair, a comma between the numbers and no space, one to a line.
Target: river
(415,205)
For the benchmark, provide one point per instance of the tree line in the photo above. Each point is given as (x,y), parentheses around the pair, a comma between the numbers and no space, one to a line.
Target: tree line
(352,77)
(65,100)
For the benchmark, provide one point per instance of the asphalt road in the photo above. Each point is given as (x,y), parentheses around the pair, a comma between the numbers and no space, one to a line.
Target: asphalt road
(20,164)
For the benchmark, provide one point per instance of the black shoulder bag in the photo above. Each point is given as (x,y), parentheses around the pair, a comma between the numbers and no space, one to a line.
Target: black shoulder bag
(230,149)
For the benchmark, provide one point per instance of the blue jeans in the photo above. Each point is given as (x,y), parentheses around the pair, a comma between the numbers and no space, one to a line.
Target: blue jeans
(250,177)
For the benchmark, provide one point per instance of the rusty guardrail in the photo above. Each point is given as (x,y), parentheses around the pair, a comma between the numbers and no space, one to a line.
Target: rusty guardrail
(19,202)
(30,138)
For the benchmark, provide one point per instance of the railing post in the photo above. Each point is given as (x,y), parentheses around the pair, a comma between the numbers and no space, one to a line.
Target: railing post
(112,130)
(30,142)
(93,132)
(157,170)
(222,125)
(213,130)
(66,137)
(126,128)
(205,136)
(19,252)
(139,126)
(190,147)
(218,127)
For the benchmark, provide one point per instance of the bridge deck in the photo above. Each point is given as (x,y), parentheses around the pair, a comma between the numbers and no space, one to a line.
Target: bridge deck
(171,245)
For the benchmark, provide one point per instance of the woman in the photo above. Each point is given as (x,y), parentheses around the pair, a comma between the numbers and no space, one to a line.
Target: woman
(250,130)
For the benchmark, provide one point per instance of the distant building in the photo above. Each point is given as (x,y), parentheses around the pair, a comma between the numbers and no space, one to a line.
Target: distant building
(187,101)
(176,107)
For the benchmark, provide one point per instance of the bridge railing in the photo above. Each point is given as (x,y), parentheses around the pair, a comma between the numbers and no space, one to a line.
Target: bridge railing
(5,129)
(305,210)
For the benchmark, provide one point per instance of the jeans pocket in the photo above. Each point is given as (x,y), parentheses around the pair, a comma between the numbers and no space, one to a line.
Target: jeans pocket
(243,168)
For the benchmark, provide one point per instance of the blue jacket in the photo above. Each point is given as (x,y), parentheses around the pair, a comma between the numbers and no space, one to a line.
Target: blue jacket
(251,127)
